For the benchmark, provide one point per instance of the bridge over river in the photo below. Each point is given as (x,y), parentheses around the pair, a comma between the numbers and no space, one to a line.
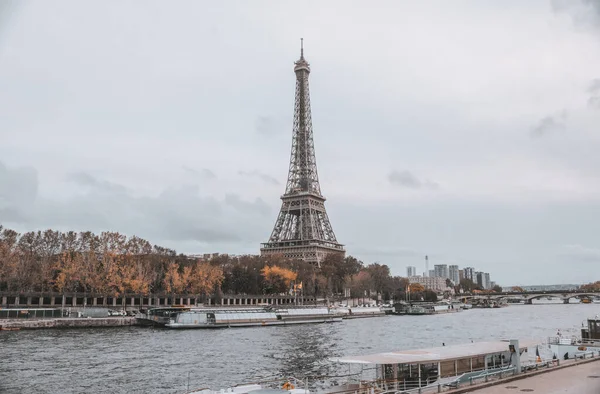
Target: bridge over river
(528,297)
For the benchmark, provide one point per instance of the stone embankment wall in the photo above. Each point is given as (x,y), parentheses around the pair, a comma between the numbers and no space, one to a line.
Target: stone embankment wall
(30,324)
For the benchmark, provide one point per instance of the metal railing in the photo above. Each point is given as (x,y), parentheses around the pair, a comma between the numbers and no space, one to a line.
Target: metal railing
(583,354)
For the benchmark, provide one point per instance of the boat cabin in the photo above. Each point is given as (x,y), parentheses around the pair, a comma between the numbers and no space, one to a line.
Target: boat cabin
(421,367)
(592,331)
(161,316)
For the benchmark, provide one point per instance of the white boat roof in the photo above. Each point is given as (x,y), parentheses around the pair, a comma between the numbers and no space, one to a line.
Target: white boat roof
(435,354)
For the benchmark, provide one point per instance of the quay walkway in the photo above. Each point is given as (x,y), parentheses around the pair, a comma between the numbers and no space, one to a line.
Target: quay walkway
(578,377)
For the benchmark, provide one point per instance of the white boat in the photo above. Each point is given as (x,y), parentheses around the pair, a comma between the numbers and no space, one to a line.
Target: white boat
(445,366)
(239,317)
(565,346)
(415,370)
(360,312)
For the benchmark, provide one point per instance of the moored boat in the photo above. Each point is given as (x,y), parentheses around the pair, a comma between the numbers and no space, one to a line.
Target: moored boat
(566,346)
(158,317)
(426,308)
(360,312)
(448,366)
(414,370)
(239,317)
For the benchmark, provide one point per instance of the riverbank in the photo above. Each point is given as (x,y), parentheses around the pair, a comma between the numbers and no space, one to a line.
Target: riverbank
(581,377)
(65,322)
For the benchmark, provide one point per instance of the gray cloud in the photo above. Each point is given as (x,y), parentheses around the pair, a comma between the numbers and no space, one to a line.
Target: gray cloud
(177,214)
(580,253)
(408,180)
(594,91)
(583,12)
(204,172)
(594,86)
(8,10)
(12,215)
(264,177)
(387,252)
(85,179)
(18,190)
(549,125)
(267,125)
(258,206)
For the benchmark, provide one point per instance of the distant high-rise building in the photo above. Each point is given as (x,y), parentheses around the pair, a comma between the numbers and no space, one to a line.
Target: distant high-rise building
(469,273)
(431,274)
(486,281)
(453,274)
(411,271)
(480,279)
(441,271)
(492,284)
(461,275)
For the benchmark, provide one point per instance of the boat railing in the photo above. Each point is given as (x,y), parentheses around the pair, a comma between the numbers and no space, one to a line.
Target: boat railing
(276,382)
(560,340)
(485,375)
(584,354)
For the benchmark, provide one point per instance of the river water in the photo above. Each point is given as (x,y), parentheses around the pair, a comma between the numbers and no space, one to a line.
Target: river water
(148,360)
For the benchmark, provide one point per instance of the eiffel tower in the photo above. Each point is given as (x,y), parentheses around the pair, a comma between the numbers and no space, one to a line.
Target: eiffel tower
(302,230)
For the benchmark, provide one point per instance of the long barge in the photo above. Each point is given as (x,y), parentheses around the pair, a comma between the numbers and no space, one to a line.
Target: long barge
(412,371)
(177,318)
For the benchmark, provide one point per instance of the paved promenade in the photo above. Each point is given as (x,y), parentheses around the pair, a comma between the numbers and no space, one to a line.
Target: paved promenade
(579,379)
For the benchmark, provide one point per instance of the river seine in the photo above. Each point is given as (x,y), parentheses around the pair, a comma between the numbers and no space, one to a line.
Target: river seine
(146,360)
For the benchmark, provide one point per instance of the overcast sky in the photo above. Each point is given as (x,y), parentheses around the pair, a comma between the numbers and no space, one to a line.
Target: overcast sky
(464,130)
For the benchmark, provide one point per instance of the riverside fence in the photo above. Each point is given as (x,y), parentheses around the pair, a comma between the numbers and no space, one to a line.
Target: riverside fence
(140,301)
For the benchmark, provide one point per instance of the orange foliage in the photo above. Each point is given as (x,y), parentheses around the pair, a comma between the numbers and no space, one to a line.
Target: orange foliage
(591,286)
(274,273)
(416,288)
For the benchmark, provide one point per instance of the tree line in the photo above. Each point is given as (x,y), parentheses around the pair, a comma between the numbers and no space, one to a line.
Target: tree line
(109,263)
(113,264)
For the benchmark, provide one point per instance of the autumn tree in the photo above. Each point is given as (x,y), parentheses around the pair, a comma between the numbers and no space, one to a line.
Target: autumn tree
(362,284)
(380,274)
(204,278)
(173,282)
(277,279)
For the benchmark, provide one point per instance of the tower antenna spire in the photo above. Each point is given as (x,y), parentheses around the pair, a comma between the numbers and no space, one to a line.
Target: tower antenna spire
(302,48)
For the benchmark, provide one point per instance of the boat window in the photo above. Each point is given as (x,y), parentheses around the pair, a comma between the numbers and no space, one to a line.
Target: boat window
(388,372)
(447,368)
(429,372)
(463,365)
(478,362)
(594,329)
